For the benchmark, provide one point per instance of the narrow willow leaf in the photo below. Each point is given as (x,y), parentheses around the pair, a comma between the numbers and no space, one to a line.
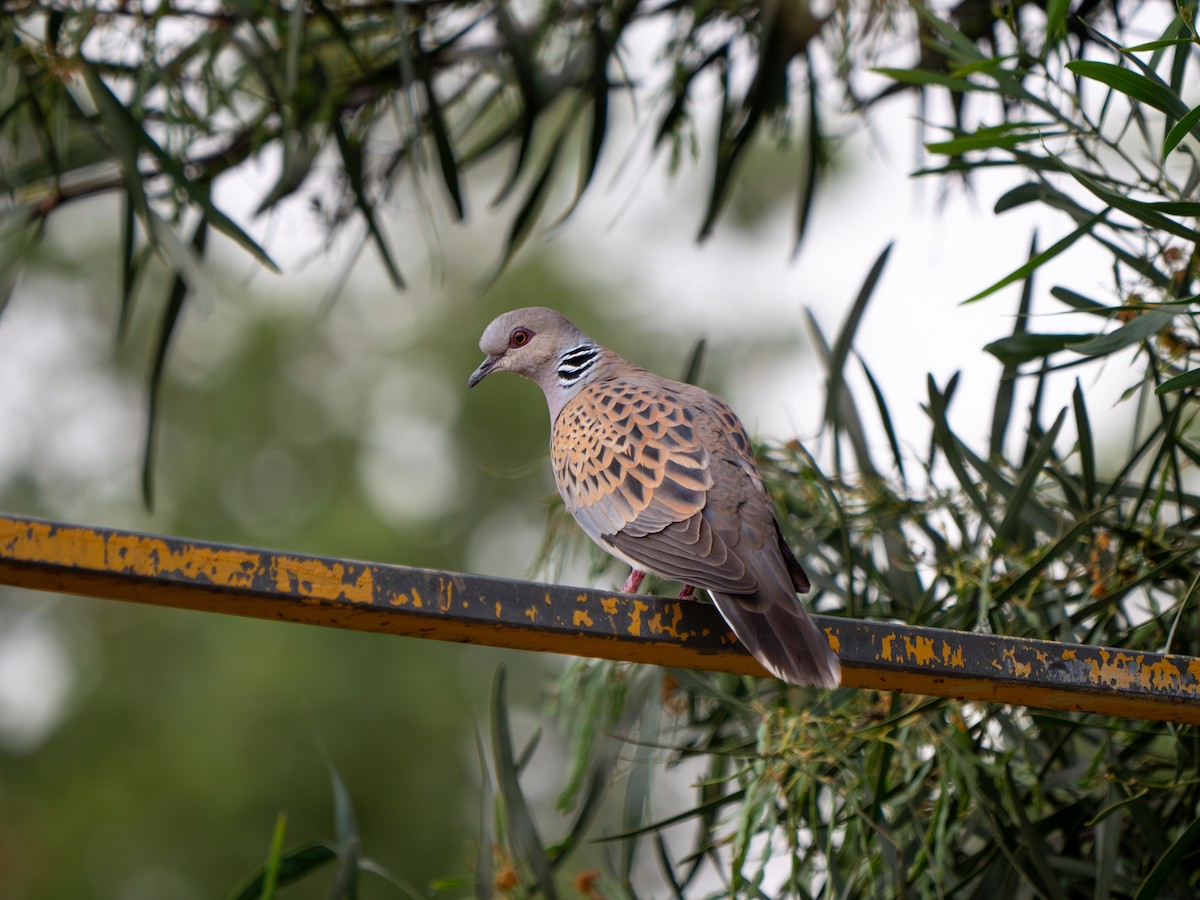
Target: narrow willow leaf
(1056,22)
(345,824)
(1144,326)
(1179,382)
(129,136)
(293,865)
(691,372)
(130,263)
(445,148)
(274,858)
(1006,388)
(1180,130)
(1143,212)
(352,164)
(1051,553)
(1021,347)
(1017,510)
(1181,847)
(1131,84)
(1159,45)
(952,451)
(521,826)
(1087,447)
(521,54)
(1079,302)
(885,418)
(1041,259)
(1175,207)
(981,141)
(678,108)
(180,286)
(812,161)
(924,77)
(527,215)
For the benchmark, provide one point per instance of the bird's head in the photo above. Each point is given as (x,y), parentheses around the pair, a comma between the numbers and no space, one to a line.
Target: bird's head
(536,342)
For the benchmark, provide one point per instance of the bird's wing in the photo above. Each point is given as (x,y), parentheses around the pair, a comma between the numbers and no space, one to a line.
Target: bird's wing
(633,465)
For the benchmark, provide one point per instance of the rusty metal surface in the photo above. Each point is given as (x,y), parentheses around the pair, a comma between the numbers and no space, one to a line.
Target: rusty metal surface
(339,593)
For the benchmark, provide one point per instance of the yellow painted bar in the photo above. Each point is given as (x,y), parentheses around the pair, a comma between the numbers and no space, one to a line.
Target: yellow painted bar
(339,593)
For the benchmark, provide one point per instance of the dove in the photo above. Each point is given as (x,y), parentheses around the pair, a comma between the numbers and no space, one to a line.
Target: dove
(661,475)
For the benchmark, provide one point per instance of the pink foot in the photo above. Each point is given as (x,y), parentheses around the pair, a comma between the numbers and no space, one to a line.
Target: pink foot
(633,582)
(687,592)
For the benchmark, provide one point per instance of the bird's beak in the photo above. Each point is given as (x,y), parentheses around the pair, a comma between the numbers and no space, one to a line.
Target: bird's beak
(484,368)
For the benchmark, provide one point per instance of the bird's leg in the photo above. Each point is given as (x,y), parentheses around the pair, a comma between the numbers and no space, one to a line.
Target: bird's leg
(687,592)
(633,582)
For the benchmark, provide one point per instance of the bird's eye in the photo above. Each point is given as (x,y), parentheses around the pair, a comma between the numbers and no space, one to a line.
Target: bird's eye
(520,337)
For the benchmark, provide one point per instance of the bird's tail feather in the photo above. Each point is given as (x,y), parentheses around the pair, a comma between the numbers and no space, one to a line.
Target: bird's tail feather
(788,644)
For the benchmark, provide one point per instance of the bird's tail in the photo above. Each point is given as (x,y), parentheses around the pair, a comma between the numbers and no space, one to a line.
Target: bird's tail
(785,640)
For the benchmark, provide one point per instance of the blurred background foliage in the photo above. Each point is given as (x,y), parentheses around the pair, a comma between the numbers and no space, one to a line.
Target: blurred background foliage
(155,154)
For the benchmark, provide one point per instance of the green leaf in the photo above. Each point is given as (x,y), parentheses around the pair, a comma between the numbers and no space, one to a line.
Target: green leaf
(1056,21)
(1087,447)
(1050,554)
(1179,382)
(923,77)
(812,161)
(1079,302)
(1131,84)
(445,147)
(885,418)
(345,825)
(535,200)
(274,854)
(521,826)
(129,136)
(1180,130)
(1169,861)
(1021,347)
(1005,390)
(984,139)
(180,285)
(1041,259)
(1143,212)
(1144,326)
(293,865)
(1032,470)
(352,164)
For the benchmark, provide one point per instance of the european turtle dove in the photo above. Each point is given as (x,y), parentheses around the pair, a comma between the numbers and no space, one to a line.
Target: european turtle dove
(661,475)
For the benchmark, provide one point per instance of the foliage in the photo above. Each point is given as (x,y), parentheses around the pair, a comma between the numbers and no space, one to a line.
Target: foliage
(851,793)
(858,794)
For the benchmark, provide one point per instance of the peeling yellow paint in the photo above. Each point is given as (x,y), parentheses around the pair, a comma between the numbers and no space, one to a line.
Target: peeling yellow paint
(919,648)
(1163,674)
(581,618)
(581,598)
(499,609)
(548,601)
(313,578)
(1020,669)
(1112,670)
(399,600)
(531,613)
(609,605)
(952,655)
(1069,654)
(417,598)
(635,617)
(658,627)
(885,649)
(445,594)
(835,642)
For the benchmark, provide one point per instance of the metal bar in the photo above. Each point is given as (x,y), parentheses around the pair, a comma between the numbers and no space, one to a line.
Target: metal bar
(450,606)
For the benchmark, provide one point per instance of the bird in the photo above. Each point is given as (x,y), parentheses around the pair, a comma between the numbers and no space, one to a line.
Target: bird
(661,475)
